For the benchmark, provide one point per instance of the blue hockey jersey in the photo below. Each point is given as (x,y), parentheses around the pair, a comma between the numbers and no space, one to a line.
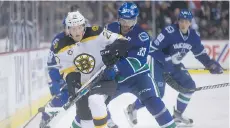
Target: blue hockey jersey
(136,61)
(172,43)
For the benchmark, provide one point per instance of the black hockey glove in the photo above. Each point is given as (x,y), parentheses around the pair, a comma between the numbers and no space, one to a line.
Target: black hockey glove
(113,52)
(73,81)
(109,57)
(122,46)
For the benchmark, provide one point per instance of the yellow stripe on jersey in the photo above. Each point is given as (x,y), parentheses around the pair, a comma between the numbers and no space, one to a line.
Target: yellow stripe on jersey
(66,48)
(68,70)
(88,38)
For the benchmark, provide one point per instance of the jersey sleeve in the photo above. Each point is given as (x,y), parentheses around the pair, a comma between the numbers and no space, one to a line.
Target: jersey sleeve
(53,72)
(199,50)
(109,37)
(162,40)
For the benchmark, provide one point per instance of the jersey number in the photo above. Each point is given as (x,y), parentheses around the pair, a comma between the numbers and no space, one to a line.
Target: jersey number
(107,34)
(141,51)
(169,29)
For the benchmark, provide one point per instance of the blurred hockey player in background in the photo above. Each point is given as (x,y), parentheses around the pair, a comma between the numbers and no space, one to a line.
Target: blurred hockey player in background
(167,51)
(57,89)
(133,71)
(81,60)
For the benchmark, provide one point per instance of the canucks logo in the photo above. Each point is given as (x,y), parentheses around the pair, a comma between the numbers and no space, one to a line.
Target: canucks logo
(143,36)
(85,63)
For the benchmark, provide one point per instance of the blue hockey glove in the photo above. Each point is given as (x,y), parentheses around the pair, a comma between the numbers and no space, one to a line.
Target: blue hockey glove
(214,67)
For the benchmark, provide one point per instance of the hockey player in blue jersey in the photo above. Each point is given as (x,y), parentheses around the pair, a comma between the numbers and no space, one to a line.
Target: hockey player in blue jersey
(167,50)
(133,71)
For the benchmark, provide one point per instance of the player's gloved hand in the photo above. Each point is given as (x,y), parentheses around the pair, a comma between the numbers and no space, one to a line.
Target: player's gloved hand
(73,81)
(109,57)
(214,67)
(112,53)
(121,46)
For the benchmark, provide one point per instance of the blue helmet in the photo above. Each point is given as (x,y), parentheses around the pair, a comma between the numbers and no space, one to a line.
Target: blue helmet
(185,14)
(128,10)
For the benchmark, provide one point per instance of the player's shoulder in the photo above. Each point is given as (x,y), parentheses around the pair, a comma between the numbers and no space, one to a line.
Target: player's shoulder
(115,23)
(141,33)
(60,41)
(194,33)
(170,29)
(92,32)
(113,27)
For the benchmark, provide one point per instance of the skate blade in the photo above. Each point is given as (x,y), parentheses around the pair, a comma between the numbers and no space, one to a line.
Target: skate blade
(127,117)
(183,125)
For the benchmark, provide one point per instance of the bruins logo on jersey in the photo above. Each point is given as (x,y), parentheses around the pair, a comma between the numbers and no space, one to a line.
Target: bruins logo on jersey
(85,63)
(95,28)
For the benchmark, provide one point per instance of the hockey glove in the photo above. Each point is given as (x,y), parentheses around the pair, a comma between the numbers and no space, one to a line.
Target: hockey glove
(73,81)
(214,67)
(109,57)
(112,53)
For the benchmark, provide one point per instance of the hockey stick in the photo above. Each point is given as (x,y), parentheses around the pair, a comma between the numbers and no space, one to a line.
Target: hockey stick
(209,87)
(39,111)
(201,69)
(172,83)
(54,66)
(81,92)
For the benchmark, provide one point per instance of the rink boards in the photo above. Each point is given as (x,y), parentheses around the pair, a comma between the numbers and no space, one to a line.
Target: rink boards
(24,78)
(23,86)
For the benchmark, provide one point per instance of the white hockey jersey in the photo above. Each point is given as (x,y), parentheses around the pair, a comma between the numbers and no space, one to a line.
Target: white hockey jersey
(84,56)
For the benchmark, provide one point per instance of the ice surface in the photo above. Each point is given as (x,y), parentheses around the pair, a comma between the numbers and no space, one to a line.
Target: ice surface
(208,109)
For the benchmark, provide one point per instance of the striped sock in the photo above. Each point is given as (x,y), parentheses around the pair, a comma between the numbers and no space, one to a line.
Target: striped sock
(182,101)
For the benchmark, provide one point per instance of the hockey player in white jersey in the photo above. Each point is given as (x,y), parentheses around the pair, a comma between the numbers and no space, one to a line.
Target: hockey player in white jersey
(80,61)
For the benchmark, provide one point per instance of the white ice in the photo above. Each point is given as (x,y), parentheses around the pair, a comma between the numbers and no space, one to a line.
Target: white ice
(208,109)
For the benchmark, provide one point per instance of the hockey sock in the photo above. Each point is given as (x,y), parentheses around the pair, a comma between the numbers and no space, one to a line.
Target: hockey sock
(182,101)
(109,115)
(157,108)
(138,104)
(98,110)
(45,116)
(76,122)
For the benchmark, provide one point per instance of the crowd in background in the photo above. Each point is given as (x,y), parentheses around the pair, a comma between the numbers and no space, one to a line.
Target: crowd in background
(23,22)
(211,18)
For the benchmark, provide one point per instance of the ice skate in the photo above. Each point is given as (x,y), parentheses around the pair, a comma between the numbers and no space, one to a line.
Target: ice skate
(131,114)
(182,121)
(111,124)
